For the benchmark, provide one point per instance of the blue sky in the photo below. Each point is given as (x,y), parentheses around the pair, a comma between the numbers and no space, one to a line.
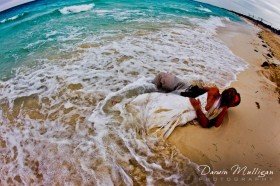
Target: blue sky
(6,4)
(269,10)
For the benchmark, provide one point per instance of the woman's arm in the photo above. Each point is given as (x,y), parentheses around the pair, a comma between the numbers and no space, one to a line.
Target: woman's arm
(203,120)
(219,119)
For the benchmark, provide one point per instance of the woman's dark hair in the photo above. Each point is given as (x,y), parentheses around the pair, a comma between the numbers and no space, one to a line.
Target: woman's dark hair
(230,97)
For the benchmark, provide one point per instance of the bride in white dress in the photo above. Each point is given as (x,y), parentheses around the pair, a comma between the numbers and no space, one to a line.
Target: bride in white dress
(167,111)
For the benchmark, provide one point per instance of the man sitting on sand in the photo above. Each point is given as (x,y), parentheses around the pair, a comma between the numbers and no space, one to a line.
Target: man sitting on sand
(217,104)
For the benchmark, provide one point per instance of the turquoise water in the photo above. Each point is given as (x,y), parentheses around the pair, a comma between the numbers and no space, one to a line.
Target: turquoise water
(30,32)
(68,70)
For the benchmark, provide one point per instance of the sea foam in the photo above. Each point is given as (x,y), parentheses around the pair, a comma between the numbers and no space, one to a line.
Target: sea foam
(204,9)
(12,18)
(76,8)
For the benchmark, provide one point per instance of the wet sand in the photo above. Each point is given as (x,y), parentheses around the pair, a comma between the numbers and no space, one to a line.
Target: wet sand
(250,134)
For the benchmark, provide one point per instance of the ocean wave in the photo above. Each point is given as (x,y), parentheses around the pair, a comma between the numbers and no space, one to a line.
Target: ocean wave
(121,15)
(211,24)
(13,18)
(76,8)
(204,9)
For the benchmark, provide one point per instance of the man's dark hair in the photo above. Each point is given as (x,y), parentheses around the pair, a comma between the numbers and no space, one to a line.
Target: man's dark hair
(193,92)
(230,97)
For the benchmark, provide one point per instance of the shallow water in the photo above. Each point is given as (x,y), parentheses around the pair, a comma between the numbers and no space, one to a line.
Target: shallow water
(65,64)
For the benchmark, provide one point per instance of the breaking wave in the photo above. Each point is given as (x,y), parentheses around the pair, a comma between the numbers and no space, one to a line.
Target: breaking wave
(204,9)
(13,18)
(76,8)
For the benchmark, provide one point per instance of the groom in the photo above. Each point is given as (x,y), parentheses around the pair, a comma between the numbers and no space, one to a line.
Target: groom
(168,82)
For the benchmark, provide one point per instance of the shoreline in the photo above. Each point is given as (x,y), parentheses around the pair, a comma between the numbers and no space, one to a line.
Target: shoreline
(250,132)
(256,22)
(249,18)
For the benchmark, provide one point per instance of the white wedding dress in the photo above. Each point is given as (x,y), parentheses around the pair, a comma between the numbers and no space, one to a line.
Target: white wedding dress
(167,111)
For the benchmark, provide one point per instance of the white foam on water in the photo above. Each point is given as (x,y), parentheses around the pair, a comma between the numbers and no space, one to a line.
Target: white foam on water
(60,123)
(76,8)
(12,18)
(51,33)
(102,12)
(119,14)
(211,24)
(204,9)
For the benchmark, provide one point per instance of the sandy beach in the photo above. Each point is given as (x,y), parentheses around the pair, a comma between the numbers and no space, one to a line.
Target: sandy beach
(249,135)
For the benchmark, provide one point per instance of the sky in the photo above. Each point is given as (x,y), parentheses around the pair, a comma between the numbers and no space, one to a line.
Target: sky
(6,4)
(268,10)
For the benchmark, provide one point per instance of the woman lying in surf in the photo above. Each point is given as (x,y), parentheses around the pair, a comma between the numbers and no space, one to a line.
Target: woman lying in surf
(216,106)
